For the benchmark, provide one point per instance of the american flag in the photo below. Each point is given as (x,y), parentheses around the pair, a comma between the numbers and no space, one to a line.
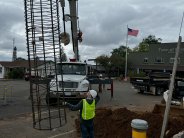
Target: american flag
(133,32)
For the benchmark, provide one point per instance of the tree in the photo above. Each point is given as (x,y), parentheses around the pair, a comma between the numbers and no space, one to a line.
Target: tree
(118,58)
(121,51)
(20,58)
(104,61)
(117,62)
(144,45)
(16,73)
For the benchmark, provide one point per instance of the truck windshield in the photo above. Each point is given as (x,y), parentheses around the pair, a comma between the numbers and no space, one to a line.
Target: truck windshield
(78,69)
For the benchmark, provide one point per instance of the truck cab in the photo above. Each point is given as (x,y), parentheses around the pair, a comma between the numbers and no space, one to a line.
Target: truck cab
(72,82)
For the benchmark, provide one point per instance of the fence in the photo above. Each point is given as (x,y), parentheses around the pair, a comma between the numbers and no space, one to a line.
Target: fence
(6,94)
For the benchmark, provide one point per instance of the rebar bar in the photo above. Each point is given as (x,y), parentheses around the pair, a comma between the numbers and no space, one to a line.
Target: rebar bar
(43,48)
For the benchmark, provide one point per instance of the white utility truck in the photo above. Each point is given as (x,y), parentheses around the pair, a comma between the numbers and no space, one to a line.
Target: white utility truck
(72,82)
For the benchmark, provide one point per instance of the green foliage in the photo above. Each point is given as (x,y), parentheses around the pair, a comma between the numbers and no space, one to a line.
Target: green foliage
(16,73)
(118,57)
(117,61)
(144,45)
(104,60)
(121,51)
(20,58)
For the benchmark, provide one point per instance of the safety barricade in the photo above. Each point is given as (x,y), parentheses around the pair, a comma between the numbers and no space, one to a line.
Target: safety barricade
(101,82)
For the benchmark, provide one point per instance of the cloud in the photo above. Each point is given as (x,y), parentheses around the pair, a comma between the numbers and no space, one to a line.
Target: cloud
(103,22)
(11,27)
(108,25)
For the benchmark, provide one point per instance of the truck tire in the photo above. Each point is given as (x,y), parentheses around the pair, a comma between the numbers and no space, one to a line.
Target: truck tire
(158,91)
(141,91)
(51,101)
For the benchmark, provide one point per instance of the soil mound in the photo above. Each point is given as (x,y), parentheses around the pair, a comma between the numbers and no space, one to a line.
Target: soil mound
(117,123)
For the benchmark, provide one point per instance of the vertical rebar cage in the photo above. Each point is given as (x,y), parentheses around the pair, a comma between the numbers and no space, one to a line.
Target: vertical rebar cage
(44,51)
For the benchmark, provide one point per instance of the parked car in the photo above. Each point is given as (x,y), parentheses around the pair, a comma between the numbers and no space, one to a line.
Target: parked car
(27,76)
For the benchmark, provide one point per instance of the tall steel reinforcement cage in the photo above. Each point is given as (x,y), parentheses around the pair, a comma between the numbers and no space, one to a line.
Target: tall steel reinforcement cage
(44,51)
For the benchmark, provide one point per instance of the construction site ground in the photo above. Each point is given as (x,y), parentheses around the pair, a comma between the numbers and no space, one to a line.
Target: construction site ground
(113,116)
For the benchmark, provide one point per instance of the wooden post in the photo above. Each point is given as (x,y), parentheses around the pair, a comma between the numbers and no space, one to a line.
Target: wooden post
(112,89)
(100,87)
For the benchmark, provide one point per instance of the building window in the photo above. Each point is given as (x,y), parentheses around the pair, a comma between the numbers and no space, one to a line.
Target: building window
(145,60)
(159,60)
(0,70)
(172,60)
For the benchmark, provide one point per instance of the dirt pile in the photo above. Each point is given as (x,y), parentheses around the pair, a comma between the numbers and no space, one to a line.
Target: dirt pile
(117,123)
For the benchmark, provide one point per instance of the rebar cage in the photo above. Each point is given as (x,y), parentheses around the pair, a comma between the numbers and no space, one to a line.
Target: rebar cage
(44,51)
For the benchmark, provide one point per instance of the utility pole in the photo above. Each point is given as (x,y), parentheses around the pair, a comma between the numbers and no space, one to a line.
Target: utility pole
(171,86)
(74,18)
(126,55)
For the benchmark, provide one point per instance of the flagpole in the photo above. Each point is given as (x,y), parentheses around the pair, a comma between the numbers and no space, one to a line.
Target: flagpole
(126,55)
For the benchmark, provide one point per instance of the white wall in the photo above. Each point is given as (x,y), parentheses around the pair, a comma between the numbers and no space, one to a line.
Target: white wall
(2,72)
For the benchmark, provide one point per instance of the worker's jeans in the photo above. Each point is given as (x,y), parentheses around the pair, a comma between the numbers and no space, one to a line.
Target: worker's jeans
(87,129)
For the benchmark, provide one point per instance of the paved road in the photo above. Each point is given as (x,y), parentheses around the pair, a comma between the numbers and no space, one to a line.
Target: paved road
(16,103)
(20,126)
(126,96)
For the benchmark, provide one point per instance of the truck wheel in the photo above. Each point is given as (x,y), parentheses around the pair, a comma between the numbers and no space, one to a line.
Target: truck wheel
(141,91)
(26,79)
(51,101)
(158,91)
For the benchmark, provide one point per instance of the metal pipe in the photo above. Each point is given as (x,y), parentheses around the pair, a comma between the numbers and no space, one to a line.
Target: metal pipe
(171,87)
(74,27)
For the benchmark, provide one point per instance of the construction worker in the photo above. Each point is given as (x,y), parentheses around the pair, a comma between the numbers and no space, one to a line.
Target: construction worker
(87,113)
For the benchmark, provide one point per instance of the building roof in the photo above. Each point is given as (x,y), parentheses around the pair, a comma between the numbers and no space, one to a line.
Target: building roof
(18,63)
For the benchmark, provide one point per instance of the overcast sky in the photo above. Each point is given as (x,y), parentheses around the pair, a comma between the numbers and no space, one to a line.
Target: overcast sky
(103,23)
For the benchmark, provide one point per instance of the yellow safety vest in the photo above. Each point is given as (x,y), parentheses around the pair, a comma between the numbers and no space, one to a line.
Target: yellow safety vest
(88,110)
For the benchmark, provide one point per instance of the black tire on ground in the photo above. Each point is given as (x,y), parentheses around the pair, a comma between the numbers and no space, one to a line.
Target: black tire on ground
(26,79)
(141,91)
(159,91)
(51,101)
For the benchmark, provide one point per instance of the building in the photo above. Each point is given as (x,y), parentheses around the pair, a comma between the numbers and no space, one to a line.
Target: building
(14,57)
(8,66)
(159,57)
(42,68)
